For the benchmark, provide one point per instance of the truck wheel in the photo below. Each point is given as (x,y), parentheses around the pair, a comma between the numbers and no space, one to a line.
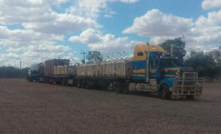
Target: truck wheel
(190,97)
(126,88)
(164,92)
(79,84)
(118,87)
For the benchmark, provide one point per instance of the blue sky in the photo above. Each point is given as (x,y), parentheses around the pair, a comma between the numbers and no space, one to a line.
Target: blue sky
(32,31)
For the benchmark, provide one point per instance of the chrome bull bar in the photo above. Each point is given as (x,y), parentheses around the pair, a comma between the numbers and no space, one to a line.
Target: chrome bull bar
(188,84)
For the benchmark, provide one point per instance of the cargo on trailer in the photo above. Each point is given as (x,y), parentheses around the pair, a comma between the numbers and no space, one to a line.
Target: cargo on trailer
(50,64)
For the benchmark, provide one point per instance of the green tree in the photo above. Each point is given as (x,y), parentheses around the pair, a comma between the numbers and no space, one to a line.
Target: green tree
(215,54)
(204,64)
(12,72)
(178,47)
(94,56)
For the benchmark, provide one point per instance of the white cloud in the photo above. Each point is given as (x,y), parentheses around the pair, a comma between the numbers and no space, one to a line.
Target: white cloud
(94,8)
(49,48)
(63,24)
(3,32)
(197,37)
(41,18)
(18,38)
(45,51)
(9,59)
(73,58)
(212,19)
(210,4)
(31,3)
(33,54)
(156,23)
(42,29)
(107,43)
(16,14)
(29,46)
(129,1)
(205,32)
(159,39)
(88,36)
(208,37)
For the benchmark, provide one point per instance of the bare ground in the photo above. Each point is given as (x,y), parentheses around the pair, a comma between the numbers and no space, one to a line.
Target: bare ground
(35,108)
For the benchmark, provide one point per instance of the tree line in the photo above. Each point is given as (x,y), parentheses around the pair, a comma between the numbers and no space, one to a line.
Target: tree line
(13,72)
(207,64)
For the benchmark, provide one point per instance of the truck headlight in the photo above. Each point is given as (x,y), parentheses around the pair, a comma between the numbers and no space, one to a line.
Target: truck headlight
(177,73)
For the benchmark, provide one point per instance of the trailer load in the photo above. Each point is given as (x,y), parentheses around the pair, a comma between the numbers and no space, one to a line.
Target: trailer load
(104,73)
(55,71)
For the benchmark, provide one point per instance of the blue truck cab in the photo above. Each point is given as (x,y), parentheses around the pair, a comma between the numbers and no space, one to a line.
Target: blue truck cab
(154,70)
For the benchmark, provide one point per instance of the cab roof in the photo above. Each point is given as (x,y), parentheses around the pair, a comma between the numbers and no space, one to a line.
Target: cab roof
(143,48)
(153,48)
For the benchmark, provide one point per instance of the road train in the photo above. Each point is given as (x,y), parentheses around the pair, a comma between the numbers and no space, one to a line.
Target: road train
(150,70)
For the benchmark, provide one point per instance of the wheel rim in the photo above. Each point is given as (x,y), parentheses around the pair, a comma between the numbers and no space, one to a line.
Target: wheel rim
(125,88)
(86,85)
(63,82)
(78,84)
(117,88)
(163,94)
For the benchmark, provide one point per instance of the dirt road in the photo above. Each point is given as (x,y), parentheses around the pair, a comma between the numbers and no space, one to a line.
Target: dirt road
(34,108)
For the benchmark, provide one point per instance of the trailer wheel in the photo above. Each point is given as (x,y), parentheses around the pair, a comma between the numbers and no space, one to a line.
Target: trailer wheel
(83,84)
(63,82)
(164,92)
(37,80)
(47,81)
(79,84)
(87,85)
(103,85)
(190,97)
(118,87)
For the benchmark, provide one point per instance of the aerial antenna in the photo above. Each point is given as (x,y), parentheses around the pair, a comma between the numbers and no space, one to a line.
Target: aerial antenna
(83,53)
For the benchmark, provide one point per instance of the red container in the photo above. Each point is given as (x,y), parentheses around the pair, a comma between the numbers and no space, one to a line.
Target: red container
(49,65)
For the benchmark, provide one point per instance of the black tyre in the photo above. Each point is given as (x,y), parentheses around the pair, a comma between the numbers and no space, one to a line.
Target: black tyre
(118,87)
(38,80)
(87,85)
(63,82)
(164,92)
(190,97)
(126,88)
(104,86)
(83,84)
(79,84)
(47,81)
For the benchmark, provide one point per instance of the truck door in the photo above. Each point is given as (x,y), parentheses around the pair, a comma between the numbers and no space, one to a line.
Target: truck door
(153,68)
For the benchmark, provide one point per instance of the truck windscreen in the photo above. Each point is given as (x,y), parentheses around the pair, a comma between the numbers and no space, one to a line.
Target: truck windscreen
(169,62)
